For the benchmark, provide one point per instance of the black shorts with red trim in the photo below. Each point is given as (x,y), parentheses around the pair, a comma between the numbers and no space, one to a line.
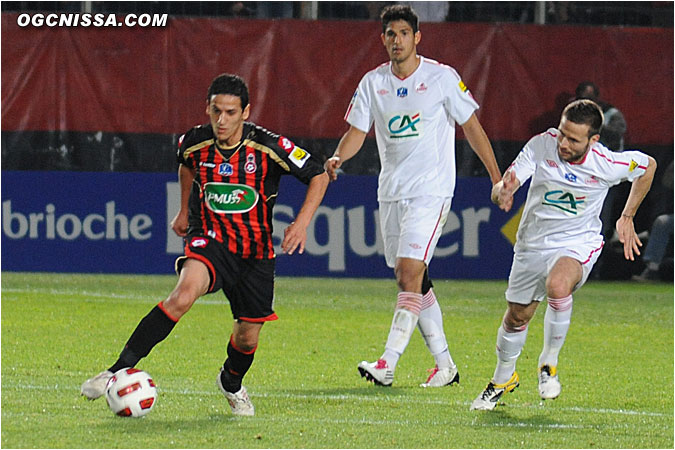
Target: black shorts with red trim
(248,283)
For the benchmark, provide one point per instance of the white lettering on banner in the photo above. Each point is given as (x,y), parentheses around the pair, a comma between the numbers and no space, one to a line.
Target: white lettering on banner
(334,219)
(357,232)
(68,226)
(174,243)
(333,223)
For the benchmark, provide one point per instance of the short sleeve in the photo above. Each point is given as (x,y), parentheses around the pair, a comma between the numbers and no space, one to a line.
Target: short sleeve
(458,102)
(525,163)
(359,114)
(627,166)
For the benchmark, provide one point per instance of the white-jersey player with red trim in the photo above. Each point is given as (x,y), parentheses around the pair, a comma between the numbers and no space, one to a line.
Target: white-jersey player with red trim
(414,122)
(415,105)
(565,199)
(559,237)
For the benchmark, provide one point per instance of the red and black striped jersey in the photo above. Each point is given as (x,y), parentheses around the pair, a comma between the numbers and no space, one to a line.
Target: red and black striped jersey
(235,188)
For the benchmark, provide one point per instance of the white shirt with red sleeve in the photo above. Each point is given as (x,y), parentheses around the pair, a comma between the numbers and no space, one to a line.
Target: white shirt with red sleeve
(564,199)
(415,122)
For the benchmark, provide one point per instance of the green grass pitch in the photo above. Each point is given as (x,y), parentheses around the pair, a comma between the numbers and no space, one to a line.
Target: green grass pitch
(57,330)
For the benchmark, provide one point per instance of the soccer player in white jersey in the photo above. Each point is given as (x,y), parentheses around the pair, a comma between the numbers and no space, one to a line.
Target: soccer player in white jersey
(415,104)
(559,238)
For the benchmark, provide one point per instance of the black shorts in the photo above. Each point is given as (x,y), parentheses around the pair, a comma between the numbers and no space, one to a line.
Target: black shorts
(248,283)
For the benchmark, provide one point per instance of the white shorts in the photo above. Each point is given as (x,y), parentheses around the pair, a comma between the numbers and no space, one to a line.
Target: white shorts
(529,270)
(411,227)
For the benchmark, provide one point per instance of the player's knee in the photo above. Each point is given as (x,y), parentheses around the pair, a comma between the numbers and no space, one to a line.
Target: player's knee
(408,280)
(557,287)
(245,342)
(179,302)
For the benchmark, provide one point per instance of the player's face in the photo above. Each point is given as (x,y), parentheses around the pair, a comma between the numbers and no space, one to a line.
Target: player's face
(400,41)
(573,140)
(227,118)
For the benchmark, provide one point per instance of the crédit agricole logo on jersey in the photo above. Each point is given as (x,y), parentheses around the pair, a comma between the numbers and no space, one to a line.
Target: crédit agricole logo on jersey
(227,198)
(563,200)
(405,125)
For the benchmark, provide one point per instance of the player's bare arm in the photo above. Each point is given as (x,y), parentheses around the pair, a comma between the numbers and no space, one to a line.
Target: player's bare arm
(481,146)
(503,191)
(349,145)
(624,226)
(295,235)
(186,177)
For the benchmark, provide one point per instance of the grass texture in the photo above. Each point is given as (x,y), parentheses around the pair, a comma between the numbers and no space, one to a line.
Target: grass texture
(59,329)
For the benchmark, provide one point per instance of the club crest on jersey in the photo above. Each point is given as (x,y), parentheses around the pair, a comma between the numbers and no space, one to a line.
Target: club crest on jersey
(299,156)
(227,198)
(225,169)
(405,125)
(421,88)
(250,166)
(592,180)
(402,92)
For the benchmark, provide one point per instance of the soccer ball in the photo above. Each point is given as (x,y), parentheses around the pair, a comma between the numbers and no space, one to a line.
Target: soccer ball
(131,393)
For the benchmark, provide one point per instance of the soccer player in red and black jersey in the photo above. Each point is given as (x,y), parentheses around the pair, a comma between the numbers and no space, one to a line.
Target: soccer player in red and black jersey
(229,175)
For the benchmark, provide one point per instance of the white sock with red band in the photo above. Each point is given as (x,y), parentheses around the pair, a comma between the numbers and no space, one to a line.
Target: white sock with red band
(431,326)
(402,326)
(556,325)
(509,346)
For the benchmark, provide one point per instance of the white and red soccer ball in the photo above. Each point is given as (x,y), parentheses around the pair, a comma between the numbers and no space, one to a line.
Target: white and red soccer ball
(131,393)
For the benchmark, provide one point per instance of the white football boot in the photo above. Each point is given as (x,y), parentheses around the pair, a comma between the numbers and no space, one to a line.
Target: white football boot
(239,402)
(487,400)
(549,385)
(377,372)
(442,377)
(94,387)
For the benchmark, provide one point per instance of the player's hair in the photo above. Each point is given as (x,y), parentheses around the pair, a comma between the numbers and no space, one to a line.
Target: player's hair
(585,112)
(229,84)
(392,13)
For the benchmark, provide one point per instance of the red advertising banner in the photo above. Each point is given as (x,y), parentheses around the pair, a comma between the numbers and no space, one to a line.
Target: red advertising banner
(302,74)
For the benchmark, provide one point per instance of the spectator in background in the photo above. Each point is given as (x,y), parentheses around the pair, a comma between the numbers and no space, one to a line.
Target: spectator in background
(614,125)
(659,236)
(611,136)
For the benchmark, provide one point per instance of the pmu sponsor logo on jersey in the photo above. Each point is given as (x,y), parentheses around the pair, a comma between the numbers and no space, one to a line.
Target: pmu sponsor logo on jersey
(565,201)
(405,125)
(227,198)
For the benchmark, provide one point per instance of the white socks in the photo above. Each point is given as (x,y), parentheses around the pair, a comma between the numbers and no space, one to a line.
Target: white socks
(509,346)
(556,324)
(510,343)
(431,326)
(402,326)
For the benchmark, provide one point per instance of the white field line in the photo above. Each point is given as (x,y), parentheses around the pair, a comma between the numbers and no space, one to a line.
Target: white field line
(355,398)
